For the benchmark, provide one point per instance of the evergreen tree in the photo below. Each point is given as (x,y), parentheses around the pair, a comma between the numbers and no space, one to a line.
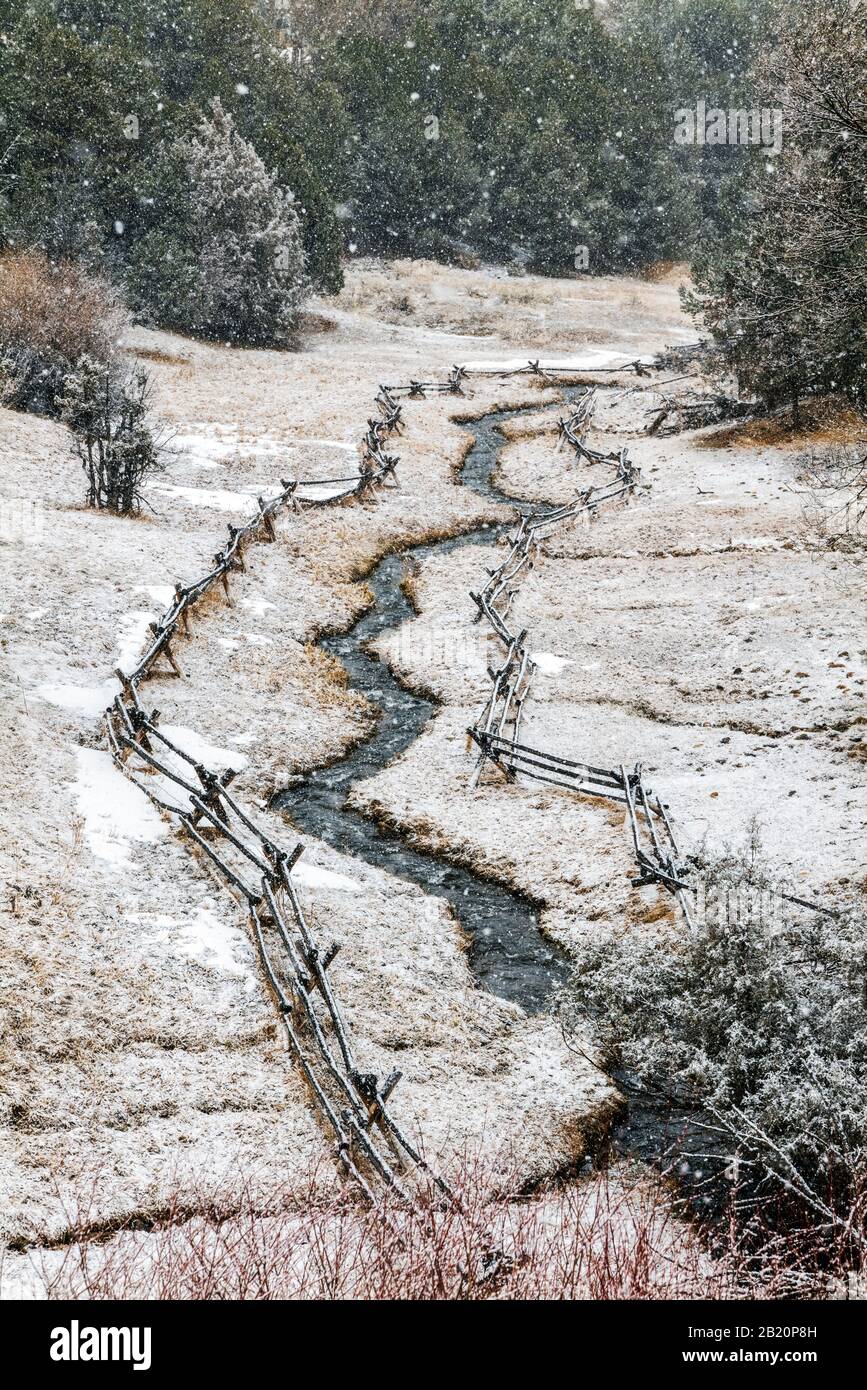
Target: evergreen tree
(227,259)
(534,199)
(413,195)
(90,90)
(785,296)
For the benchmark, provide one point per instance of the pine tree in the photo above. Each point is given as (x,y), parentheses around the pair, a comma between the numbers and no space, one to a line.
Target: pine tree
(226,260)
(785,295)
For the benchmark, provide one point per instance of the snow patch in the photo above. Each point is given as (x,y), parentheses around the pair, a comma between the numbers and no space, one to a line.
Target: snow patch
(350,448)
(116,814)
(197,747)
(163,594)
(755,543)
(89,700)
(201,447)
(326,488)
(209,451)
(258,605)
(218,498)
(134,632)
(204,938)
(549,664)
(312,876)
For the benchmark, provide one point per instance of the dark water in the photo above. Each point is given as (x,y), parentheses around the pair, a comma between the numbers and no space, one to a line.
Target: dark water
(508,954)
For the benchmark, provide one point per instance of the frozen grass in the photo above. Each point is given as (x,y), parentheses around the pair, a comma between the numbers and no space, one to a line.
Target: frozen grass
(526,311)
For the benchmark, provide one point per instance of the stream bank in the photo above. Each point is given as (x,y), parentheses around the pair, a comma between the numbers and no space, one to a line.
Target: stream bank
(508,953)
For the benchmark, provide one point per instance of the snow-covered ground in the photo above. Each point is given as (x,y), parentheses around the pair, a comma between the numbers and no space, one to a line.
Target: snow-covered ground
(702,631)
(143,1050)
(137,1055)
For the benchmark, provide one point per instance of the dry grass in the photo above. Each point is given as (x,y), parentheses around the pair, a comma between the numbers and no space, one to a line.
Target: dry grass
(313,323)
(530,310)
(57,307)
(614,1235)
(147,354)
(328,678)
(530,427)
(667,273)
(829,420)
(647,913)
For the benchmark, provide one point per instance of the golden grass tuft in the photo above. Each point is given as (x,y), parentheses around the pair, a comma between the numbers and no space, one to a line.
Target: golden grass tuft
(828,420)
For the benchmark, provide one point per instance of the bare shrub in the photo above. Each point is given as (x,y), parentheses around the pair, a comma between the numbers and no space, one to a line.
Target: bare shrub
(605,1238)
(51,314)
(835,483)
(108,415)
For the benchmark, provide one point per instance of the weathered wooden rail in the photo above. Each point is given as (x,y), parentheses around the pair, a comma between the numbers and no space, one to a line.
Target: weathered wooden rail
(496,731)
(368,1141)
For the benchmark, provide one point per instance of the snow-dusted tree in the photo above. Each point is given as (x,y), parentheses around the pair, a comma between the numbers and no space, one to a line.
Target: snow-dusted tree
(758,1022)
(226,260)
(108,414)
(786,295)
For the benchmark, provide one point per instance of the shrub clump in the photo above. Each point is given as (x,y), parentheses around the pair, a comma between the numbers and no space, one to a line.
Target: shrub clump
(834,481)
(108,414)
(51,314)
(759,1021)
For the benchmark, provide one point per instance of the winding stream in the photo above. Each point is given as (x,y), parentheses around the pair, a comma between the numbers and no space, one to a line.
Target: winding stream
(508,953)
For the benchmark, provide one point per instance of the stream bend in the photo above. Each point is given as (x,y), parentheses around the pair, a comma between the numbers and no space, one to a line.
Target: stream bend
(508,954)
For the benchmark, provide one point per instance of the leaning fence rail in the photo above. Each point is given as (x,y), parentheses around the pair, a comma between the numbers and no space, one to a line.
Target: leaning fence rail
(368,1142)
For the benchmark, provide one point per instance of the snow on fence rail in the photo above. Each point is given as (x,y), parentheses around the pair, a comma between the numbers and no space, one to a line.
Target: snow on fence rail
(496,731)
(354,1104)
